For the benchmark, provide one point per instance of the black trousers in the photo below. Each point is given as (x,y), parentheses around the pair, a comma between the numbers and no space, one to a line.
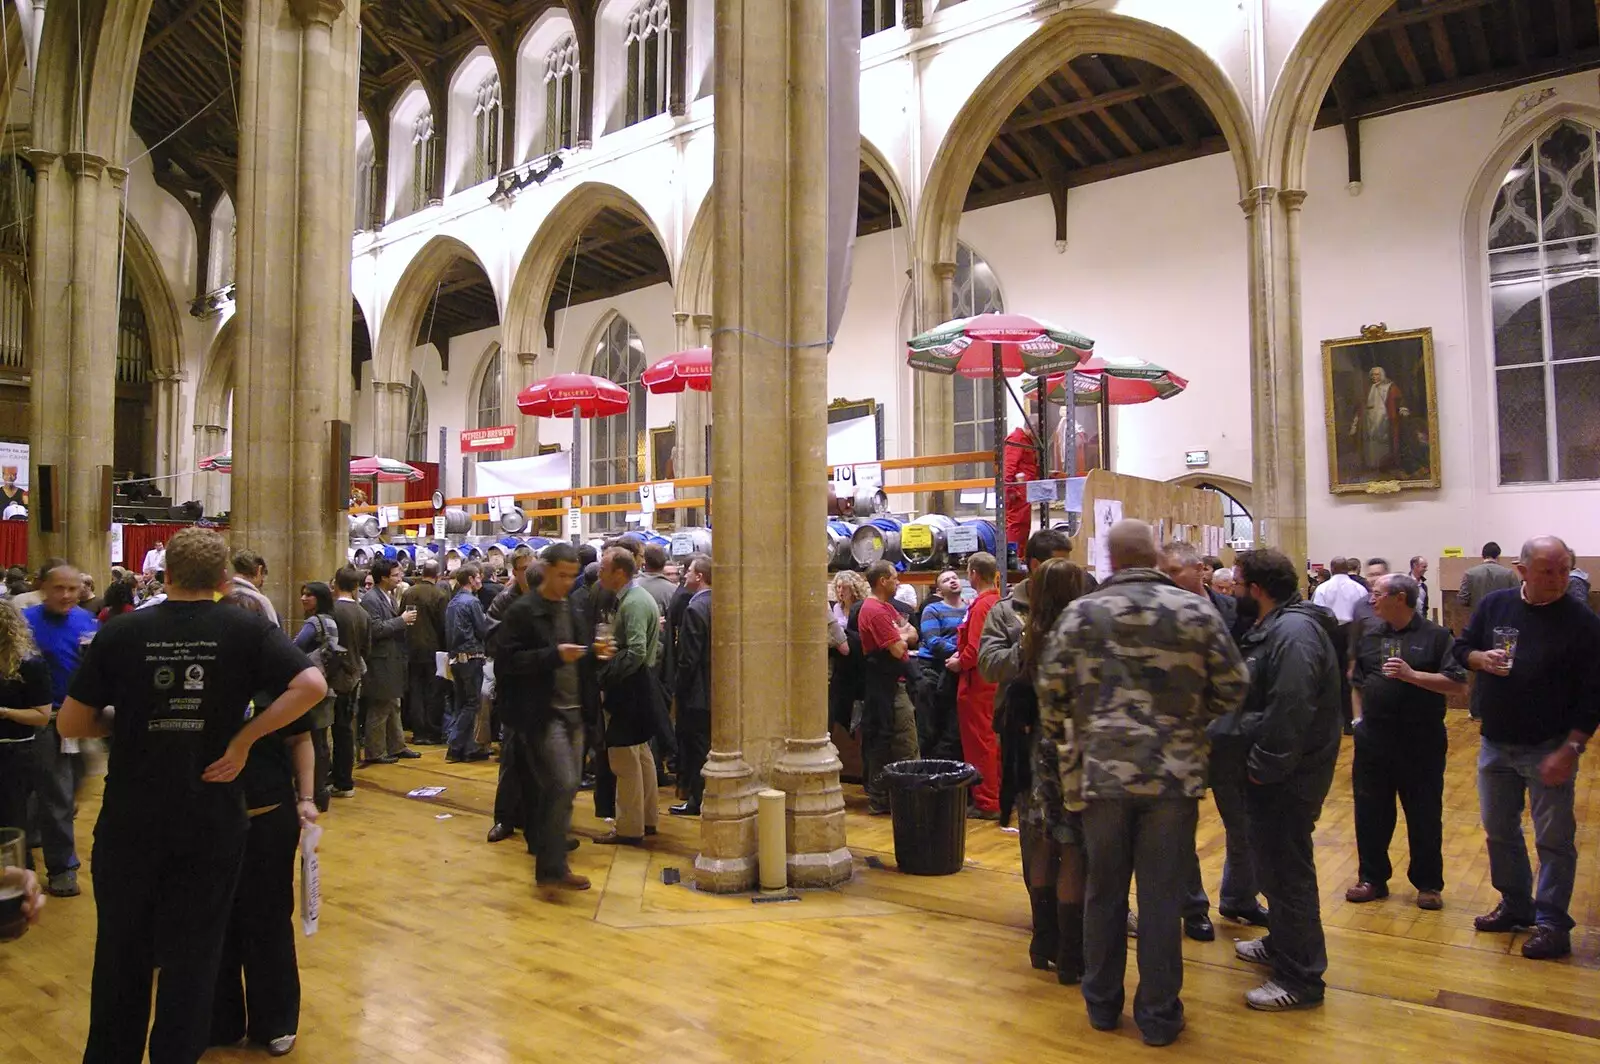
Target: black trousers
(550,757)
(938,729)
(16,767)
(258,979)
(163,899)
(694,746)
(341,767)
(1282,819)
(1407,765)
(1341,647)
(509,786)
(596,761)
(426,694)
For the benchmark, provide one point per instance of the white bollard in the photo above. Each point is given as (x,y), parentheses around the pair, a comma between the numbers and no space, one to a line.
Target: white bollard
(771,832)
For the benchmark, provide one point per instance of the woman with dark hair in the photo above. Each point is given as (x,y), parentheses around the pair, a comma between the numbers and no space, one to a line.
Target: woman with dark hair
(1052,868)
(257,997)
(319,637)
(24,709)
(119,600)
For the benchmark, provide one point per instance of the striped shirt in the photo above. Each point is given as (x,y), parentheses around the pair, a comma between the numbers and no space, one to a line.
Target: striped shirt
(940,622)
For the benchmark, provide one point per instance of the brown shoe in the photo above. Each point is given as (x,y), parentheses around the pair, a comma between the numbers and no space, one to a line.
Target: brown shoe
(570,881)
(611,838)
(1364,892)
(1429,900)
(1547,944)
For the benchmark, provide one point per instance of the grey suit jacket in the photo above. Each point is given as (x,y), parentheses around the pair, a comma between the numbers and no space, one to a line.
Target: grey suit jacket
(386,660)
(1484,578)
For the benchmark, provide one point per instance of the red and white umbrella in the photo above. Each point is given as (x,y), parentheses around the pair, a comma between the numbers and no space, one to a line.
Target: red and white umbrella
(1017,343)
(573,395)
(383,470)
(686,369)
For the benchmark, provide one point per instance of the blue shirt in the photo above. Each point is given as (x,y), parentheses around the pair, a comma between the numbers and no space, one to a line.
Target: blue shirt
(939,625)
(60,640)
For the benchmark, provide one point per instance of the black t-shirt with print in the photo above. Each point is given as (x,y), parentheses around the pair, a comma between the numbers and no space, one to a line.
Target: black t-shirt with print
(28,689)
(181,676)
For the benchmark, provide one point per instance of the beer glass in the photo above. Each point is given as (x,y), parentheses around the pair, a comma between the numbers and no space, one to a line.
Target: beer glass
(1506,639)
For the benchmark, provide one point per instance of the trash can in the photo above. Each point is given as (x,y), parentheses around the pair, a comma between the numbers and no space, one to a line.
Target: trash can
(928,804)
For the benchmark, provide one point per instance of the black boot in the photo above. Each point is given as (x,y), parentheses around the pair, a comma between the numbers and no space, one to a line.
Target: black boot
(1069,956)
(1042,950)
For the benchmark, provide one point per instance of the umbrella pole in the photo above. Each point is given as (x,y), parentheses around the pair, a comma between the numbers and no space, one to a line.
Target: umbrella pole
(1041,400)
(577,466)
(998,397)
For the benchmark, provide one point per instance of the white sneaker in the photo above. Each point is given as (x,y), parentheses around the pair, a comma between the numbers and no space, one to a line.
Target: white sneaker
(279,1047)
(335,792)
(1270,996)
(1253,950)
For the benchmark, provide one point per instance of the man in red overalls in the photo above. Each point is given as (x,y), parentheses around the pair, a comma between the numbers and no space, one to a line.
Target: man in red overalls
(974,696)
(1021,465)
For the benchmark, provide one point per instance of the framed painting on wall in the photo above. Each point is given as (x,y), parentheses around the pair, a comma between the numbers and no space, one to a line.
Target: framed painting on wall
(664,453)
(1382,413)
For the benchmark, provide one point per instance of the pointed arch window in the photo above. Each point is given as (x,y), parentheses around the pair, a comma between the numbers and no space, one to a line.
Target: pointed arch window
(422,161)
(1544,293)
(133,338)
(1237,524)
(486,115)
(974,290)
(877,16)
(417,422)
(366,174)
(560,95)
(649,60)
(489,385)
(617,442)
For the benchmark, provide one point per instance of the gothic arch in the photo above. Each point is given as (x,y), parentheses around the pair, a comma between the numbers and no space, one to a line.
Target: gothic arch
(97,47)
(155,295)
(1307,76)
(536,274)
(212,399)
(402,317)
(1058,40)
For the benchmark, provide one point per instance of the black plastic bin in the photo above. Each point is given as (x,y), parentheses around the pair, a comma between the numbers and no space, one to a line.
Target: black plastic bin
(928,803)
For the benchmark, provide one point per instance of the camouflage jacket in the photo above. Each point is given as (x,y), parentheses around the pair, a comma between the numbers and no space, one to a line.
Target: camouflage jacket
(1128,681)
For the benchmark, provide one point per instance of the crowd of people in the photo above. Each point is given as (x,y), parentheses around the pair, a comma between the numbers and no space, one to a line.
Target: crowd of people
(1099,714)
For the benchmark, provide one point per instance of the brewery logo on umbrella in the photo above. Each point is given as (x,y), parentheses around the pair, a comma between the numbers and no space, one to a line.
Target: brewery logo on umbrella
(685,369)
(1026,345)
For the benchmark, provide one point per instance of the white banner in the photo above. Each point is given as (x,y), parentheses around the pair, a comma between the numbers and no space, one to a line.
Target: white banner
(522,476)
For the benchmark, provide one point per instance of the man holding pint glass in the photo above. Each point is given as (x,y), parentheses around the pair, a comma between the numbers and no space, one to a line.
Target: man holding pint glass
(1537,656)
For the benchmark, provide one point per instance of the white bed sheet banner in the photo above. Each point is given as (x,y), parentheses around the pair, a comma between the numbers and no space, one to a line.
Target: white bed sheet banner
(519,476)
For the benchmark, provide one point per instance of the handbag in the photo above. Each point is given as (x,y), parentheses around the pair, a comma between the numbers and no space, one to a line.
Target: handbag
(310,879)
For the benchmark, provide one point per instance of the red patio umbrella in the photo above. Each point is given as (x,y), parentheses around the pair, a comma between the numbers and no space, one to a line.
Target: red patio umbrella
(686,369)
(573,395)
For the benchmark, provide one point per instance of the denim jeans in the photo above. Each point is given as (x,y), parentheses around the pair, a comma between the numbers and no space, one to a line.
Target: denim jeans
(1505,774)
(1283,817)
(548,762)
(462,717)
(1136,838)
(1228,779)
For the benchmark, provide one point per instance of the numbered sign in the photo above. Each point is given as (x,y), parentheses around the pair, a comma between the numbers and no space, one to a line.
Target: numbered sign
(647,499)
(962,539)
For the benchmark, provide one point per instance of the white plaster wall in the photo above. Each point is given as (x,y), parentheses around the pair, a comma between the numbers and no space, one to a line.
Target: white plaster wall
(868,356)
(1395,254)
(649,311)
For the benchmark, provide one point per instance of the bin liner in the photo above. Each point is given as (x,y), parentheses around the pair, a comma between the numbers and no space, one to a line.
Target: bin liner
(928,806)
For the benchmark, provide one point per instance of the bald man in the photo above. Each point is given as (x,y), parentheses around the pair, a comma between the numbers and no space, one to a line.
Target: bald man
(1537,656)
(1141,667)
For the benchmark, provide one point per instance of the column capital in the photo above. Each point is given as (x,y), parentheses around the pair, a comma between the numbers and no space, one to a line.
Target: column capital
(324,12)
(169,376)
(944,270)
(1257,199)
(210,428)
(395,387)
(84,164)
(681,316)
(702,321)
(1292,198)
(527,359)
(41,158)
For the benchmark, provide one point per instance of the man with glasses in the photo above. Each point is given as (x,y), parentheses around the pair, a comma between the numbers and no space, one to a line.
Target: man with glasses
(1404,669)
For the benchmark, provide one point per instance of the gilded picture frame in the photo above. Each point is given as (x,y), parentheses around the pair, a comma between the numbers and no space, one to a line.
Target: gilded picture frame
(1382,412)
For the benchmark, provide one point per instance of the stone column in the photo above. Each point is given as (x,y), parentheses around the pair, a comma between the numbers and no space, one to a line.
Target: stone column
(1277,399)
(391,402)
(169,413)
(693,410)
(297,83)
(73,334)
(527,428)
(933,396)
(769,704)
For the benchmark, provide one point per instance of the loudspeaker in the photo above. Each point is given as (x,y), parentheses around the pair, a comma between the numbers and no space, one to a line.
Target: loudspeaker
(338,466)
(45,496)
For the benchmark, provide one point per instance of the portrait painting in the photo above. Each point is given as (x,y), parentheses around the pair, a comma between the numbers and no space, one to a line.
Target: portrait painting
(1382,416)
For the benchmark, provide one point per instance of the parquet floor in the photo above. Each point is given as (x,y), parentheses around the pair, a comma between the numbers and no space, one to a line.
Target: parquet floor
(435,947)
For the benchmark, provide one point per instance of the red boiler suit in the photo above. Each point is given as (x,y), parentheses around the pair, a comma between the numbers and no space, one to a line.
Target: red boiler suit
(1021,464)
(980,746)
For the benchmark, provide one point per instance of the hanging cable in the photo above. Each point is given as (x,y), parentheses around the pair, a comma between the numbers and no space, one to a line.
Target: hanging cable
(157,145)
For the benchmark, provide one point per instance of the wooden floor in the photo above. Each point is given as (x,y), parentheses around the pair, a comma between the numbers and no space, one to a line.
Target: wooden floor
(435,947)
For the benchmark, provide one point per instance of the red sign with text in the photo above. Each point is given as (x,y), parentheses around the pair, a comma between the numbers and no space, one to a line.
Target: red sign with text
(476,441)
